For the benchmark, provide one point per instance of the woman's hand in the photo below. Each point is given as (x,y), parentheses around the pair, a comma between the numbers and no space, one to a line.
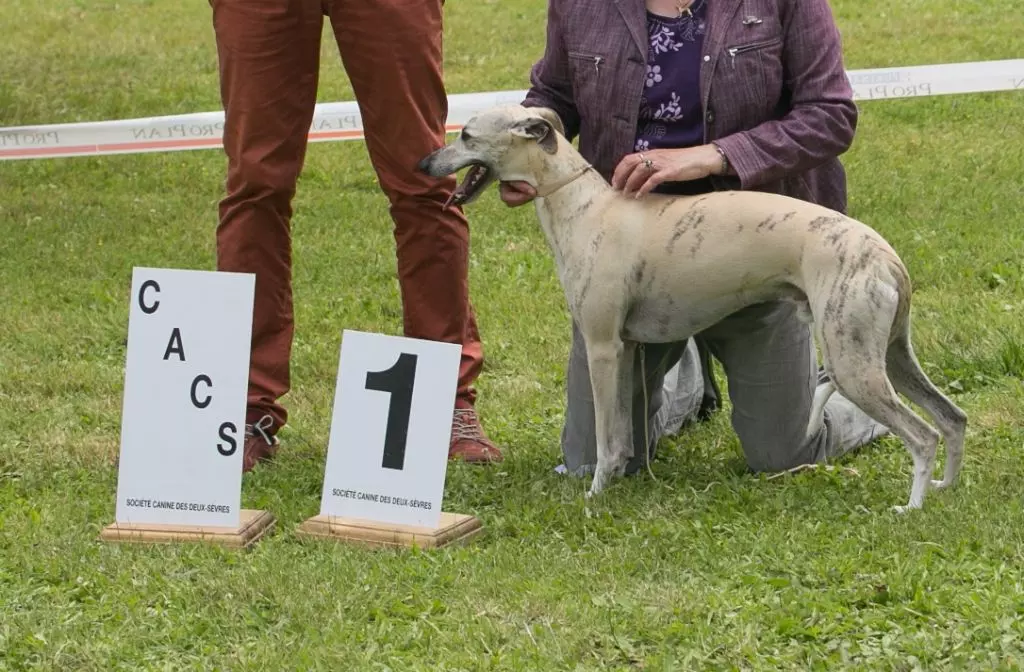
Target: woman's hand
(641,172)
(515,194)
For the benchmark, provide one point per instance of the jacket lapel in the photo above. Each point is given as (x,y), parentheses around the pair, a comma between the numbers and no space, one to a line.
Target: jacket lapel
(634,13)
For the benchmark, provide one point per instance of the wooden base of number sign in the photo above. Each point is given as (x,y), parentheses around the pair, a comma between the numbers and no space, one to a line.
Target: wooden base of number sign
(454,528)
(252,526)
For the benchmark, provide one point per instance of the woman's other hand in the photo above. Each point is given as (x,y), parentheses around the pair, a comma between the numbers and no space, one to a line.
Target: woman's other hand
(515,194)
(641,172)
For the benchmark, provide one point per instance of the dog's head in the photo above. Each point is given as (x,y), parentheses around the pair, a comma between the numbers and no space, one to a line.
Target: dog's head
(503,143)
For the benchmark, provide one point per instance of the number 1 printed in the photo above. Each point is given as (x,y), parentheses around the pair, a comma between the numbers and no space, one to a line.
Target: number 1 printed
(398,381)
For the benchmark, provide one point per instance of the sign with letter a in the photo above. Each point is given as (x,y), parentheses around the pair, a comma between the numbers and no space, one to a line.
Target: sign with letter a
(388,448)
(186,376)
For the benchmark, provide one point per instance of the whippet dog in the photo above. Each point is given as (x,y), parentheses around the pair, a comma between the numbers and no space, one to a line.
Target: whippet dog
(662,268)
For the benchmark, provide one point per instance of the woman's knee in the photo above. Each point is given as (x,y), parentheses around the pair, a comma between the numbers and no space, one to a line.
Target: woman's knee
(774,446)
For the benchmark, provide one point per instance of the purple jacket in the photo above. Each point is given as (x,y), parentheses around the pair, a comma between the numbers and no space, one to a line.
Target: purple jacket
(775,94)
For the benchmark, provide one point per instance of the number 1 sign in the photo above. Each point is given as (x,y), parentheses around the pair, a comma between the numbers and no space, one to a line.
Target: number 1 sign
(387,453)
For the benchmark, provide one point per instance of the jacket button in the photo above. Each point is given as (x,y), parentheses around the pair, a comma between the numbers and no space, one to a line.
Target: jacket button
(711,116)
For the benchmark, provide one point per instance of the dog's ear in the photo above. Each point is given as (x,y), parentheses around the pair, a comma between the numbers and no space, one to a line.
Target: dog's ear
(540,128)
(552,118)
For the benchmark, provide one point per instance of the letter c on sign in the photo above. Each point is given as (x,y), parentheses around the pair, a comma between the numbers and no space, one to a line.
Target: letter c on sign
(149,310)
(202,377)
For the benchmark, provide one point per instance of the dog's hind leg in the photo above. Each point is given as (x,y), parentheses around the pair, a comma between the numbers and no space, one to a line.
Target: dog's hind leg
(855,345)
(611,366)
(866,385)
(908,379)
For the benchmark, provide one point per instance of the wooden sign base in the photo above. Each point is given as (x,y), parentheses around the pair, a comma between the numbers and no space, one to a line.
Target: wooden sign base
(253,524)
(453,528)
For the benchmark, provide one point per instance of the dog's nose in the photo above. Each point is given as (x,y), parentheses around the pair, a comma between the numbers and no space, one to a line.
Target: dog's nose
(424,165)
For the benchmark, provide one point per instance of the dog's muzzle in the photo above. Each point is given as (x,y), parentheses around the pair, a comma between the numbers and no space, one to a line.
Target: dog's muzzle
(427,162)
(475,181)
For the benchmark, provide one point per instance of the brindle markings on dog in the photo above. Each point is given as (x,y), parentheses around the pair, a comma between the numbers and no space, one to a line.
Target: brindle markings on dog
(688,222)
(638,271)
(586,273)
(766,224)
(651,277)
(580,209)
(874,296)
(836,235)
(696,246)
(835,307)
(595,244)
(663,307)
(818,223)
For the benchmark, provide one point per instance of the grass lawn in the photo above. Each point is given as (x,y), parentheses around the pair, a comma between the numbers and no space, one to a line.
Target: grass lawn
(706,568)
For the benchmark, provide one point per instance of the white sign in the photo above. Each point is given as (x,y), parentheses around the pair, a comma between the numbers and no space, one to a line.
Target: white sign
(186,376)
(387,453)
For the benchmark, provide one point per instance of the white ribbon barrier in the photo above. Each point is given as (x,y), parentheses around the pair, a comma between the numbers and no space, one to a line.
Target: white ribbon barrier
(341,121)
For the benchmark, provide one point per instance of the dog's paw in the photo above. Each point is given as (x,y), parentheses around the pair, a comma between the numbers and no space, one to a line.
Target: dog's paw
(901,509)
(940,485)
(600,481)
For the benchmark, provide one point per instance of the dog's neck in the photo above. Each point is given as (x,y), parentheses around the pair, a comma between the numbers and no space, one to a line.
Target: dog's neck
(546,190)
(555,172)
(568,186)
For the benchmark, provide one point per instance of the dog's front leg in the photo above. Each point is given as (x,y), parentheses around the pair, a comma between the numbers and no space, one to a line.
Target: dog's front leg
(610,368)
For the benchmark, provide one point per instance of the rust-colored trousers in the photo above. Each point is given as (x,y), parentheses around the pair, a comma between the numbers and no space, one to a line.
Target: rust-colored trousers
(269,53)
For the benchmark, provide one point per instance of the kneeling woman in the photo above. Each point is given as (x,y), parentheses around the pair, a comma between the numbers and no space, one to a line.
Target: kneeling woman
(688,96)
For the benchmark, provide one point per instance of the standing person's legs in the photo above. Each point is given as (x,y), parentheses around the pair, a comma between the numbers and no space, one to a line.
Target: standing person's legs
(269,60)
(771,367)
(392,53)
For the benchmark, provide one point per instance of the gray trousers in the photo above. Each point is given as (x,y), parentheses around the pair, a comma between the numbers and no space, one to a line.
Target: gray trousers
(771,366)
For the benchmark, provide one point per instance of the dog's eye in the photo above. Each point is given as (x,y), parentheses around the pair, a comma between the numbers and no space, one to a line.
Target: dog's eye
(466,136)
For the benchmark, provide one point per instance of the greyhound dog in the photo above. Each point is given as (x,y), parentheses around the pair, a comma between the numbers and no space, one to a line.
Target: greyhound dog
(662,268)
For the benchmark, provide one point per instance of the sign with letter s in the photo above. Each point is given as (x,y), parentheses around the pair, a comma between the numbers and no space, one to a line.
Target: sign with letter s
(186,379)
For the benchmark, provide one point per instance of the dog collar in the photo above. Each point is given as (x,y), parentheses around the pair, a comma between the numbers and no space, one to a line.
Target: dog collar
(542,193)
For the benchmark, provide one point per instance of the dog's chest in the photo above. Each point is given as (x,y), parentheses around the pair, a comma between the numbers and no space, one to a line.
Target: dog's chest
(664,317)
(659,312)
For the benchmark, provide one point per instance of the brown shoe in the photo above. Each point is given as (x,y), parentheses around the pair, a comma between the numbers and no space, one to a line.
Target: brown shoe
(260,444)
(469,441)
